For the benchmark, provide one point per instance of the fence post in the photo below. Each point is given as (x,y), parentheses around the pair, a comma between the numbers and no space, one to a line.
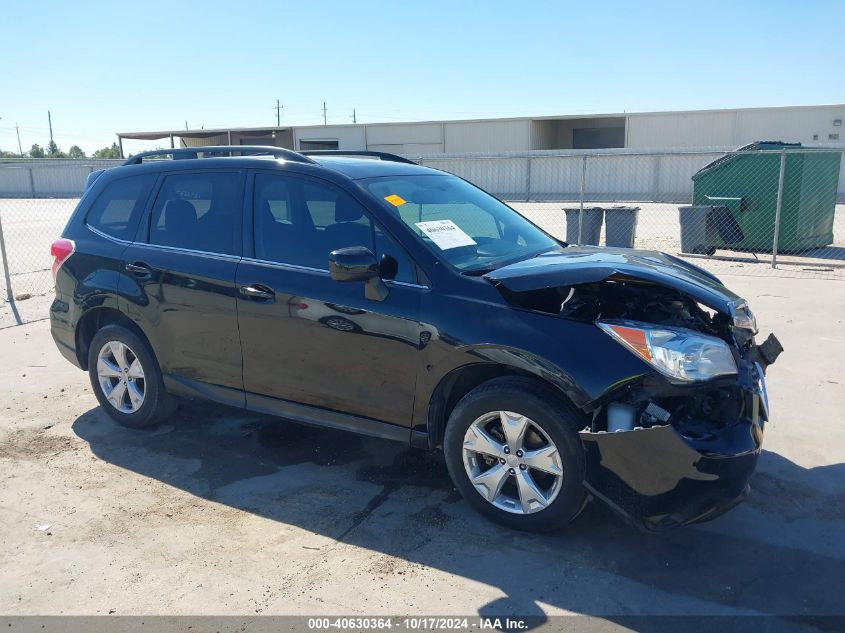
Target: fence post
(31,183)
(583,185)
(528,181)
(777,210)
(10,297)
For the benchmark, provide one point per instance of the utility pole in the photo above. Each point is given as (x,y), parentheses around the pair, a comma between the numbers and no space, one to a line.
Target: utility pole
(324,112)
(186,124)
(354,118)
(50,123)
(279,109)
(18,132)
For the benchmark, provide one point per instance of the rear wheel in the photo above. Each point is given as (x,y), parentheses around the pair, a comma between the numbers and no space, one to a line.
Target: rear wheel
(513,452)
(126,378)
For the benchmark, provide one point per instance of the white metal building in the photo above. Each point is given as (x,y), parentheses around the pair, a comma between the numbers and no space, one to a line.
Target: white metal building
(641,130)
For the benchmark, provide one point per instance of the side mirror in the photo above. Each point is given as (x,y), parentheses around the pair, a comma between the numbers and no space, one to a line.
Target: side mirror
(357,263)
(354,263)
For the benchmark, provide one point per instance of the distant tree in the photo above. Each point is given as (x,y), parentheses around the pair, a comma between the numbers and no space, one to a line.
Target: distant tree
(53,151)
(5,154)
(75,152)
(36,151)
(107,152)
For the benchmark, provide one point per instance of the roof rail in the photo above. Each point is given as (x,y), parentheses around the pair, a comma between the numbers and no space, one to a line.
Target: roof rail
(342,152)
(217,150)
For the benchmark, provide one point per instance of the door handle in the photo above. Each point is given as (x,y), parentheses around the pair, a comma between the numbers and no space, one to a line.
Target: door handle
(257,292)
(139,269)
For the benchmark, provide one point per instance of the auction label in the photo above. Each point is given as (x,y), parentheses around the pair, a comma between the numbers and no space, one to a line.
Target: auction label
(445,234)
(421,623)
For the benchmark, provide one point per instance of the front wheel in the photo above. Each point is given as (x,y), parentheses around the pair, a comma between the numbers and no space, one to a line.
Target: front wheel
(126,378)
(512,450)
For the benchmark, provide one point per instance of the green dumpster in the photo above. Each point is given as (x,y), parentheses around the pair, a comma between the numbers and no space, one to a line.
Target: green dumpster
(746,183)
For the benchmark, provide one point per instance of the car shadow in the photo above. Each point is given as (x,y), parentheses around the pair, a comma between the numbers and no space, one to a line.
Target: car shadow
(779,554)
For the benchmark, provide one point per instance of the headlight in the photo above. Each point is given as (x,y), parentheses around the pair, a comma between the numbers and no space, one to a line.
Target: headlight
(678,353)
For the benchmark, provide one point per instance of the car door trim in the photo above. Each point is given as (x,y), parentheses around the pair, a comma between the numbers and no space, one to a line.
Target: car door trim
(180,385)
(317,416)
(294,411)
(188,251)
(291,267)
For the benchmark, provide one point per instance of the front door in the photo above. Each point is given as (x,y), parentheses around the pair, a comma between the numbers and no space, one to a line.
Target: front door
(179,278)
(308,339)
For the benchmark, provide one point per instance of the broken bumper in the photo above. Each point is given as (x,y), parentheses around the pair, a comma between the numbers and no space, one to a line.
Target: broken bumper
(658,478)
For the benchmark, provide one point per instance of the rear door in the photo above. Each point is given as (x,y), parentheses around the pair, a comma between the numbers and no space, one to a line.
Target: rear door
(308,339)
(180,278)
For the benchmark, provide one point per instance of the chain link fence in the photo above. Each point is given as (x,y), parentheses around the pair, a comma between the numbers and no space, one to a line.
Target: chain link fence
(767,209)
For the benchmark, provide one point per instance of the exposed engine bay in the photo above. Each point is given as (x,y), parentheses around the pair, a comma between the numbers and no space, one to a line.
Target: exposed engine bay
(676,441)
(694,410)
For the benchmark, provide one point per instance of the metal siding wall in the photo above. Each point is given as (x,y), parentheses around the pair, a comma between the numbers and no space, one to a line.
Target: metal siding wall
(410,134)
(49,177)
(734,128)
(348,137)
(675,130)
(407,148)
(220,139)
(798,125)
(611,175)
(488,136)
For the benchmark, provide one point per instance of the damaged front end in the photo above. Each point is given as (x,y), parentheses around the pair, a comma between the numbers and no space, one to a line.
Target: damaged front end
(677,444)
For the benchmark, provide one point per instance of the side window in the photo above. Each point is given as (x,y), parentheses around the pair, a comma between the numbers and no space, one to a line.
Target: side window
(117,209)
(300,221)
(198,211)
(386,245)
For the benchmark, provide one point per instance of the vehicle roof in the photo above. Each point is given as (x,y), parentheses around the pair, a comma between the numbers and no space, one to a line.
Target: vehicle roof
(357,168)
(352,167)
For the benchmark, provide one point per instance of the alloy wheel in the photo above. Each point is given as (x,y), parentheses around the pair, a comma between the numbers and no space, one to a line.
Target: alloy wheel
(512,462)
(121,377)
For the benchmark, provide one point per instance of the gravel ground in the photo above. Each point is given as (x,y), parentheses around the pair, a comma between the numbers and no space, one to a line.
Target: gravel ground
(223,512)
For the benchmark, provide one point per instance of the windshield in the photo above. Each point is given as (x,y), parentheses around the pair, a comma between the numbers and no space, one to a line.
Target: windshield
(470,229)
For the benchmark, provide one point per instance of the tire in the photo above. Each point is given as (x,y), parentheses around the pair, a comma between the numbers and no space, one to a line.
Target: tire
(125,407)
(552,420)
(341,324)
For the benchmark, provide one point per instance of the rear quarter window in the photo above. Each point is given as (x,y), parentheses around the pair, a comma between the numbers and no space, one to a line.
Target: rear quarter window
(118,208)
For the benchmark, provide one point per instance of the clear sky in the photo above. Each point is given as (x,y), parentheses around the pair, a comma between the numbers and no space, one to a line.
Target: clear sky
(103,67)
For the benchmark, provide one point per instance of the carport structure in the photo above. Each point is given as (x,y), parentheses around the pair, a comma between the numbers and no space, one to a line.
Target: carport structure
(275,136)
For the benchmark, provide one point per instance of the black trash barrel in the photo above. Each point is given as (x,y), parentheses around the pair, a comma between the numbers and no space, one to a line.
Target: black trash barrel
(590,225)
(620,226)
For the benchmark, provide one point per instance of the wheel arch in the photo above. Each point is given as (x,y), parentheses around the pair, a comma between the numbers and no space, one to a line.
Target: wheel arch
(93,321)
(460,381)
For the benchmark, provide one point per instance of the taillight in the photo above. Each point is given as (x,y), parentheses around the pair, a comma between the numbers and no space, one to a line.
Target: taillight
(61,249)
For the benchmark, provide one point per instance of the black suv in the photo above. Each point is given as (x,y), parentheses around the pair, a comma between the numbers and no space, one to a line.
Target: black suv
(367,293)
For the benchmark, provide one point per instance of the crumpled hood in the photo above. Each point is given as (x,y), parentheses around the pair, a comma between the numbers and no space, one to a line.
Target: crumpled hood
(576,265)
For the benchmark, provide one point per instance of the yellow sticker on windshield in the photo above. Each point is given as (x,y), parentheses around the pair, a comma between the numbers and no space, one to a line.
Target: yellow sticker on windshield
(395,200)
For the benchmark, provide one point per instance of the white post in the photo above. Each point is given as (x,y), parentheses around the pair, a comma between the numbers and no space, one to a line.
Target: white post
(10,297)
(777,210)
(583,185)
